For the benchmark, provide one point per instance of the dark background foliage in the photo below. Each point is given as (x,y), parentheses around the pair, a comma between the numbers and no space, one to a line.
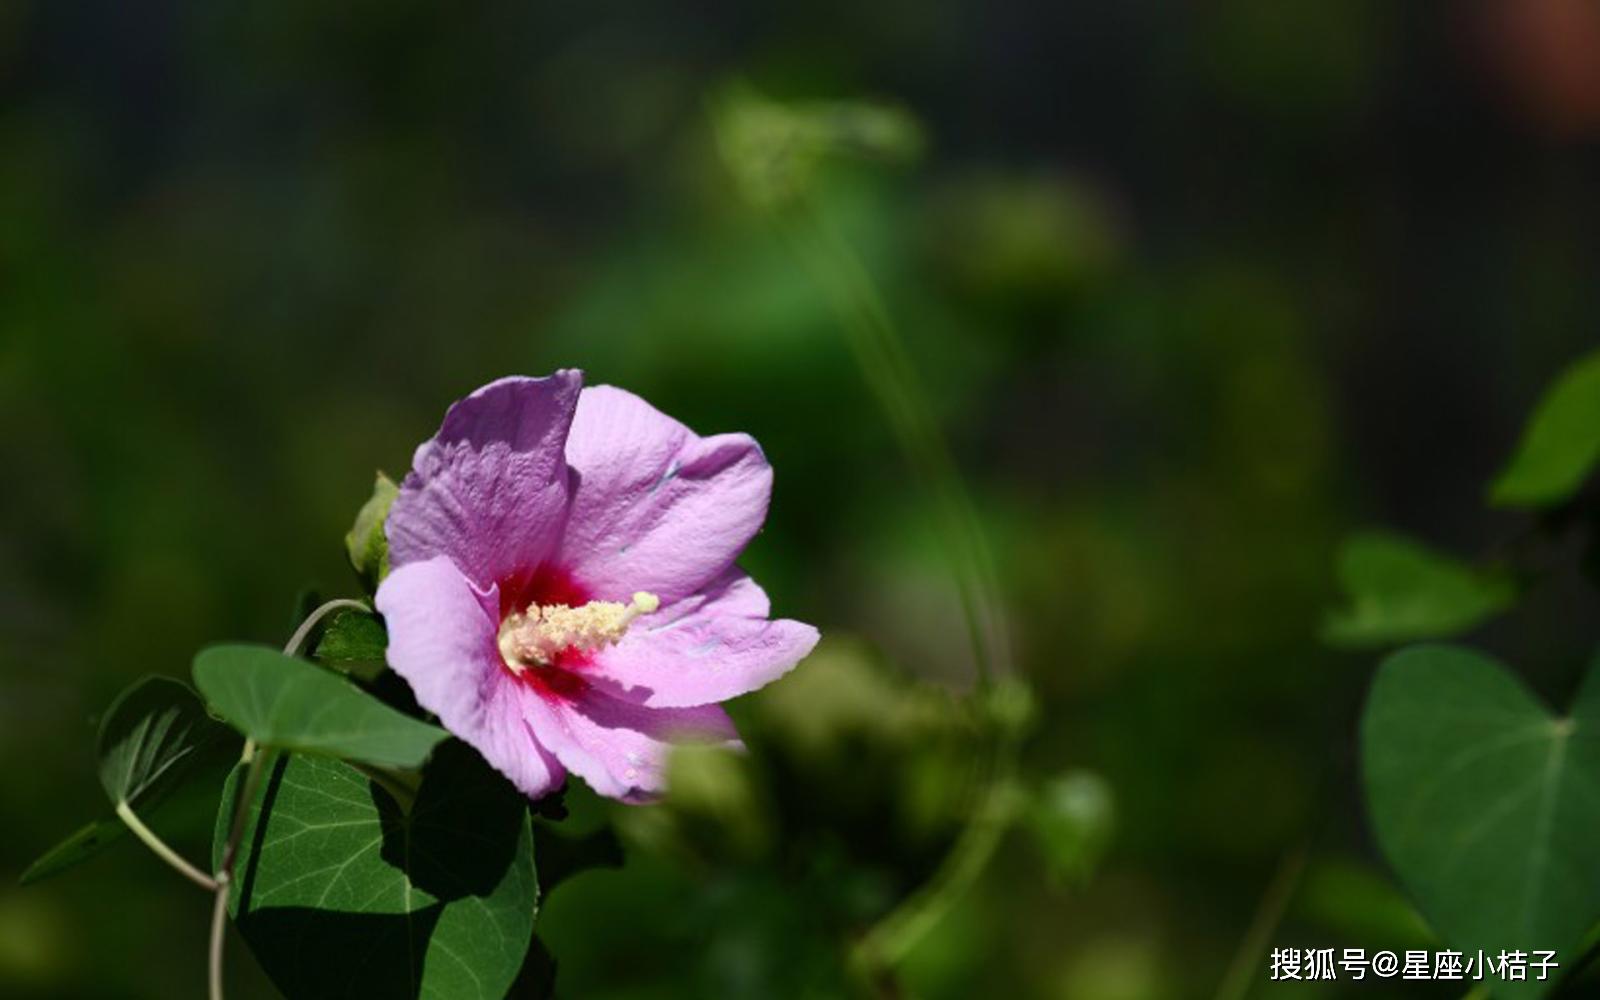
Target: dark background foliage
(1195,288)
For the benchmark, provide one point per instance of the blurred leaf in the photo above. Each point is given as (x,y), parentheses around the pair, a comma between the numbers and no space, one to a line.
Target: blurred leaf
(1022,238)
(773,149)
(1484,803)
(1072,817)
(661,929)
(150,736)
(366,544)
(714,789)
(1559,445)
(1400,590)
(341,888)
(1359,905)
(1011,703)
(284,702)
(1115,964)
(901,760)
(87,842)
(847,692)
(353,642)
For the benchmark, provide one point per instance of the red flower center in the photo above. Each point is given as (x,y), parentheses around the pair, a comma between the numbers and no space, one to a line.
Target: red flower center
(547,585)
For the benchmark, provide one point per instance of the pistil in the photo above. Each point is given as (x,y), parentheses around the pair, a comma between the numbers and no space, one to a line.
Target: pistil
(535,637)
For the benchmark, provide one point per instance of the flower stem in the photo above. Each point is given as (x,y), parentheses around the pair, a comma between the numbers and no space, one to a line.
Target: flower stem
(219,923)
(1269,913)
(219,910)
(323,610)
(893,379)
(889,941)
(127,815)
(255,763)
(892,376)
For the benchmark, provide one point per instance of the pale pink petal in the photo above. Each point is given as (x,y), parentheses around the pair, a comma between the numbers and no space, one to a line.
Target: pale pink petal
(508,741)
(733,592)
(490,489)
(704,649)
(656,507)
(621,749)
(442,641)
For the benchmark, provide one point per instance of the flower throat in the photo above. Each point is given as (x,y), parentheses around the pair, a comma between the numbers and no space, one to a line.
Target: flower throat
(537,636)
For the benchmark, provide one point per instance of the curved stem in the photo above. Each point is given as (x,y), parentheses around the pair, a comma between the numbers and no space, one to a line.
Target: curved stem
(247,794)
(127,815)
(892,938)
(323,610)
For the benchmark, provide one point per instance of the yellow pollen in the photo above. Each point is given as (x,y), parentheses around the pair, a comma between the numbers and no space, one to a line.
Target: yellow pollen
(534,637)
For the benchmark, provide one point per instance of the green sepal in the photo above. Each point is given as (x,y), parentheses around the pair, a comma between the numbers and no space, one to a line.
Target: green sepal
(365,543)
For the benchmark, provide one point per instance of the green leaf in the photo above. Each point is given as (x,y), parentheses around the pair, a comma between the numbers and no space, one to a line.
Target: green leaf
(1560,444)
(87,842)
(1399,590)
(353,642)
(1359,904)
(341,893)
(366,543)
(1485,804)
(292,704)
(151,735)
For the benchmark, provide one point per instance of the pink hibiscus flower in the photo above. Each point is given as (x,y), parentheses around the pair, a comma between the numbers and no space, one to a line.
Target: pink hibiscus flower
(563,593)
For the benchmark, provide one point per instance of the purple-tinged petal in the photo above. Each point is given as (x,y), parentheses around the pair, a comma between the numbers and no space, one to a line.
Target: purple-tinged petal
(442,641)
(490,490)
(703,650)
(656,507)
(621,749)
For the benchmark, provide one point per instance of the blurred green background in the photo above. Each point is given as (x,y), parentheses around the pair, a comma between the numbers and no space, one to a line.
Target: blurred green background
(1194,288)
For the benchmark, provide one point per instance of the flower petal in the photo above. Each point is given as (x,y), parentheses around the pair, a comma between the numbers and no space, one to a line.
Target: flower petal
(490,489)
(656,507)
(705,649)
(731,593)
(442,641)
(621,749)
(509,743)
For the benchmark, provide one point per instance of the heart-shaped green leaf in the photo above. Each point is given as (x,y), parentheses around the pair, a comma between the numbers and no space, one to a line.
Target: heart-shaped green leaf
(1401,591)
(1485,803)
(149,737)
(354,642)
(1560,444)
(342,893)
(293,704)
